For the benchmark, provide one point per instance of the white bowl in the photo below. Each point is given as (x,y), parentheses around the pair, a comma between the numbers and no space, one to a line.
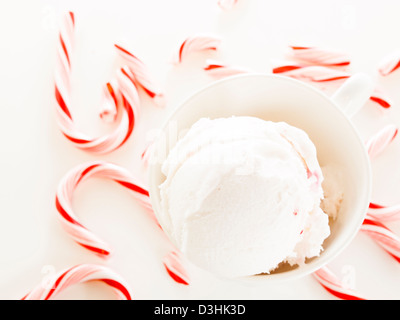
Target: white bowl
(277,98)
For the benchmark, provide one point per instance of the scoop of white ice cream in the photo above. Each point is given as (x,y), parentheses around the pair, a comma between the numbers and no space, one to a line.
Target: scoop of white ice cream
(242,195)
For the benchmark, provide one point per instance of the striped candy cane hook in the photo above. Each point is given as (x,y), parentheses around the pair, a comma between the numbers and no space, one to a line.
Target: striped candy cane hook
(109,107)
(67,187)
(79,274)
(117,101)
(86,238)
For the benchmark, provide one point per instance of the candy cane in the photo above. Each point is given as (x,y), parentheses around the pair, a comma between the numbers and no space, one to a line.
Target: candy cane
(67,187)
(319,56)
(379,141)
(380,98)
(323,75)
(109,107)
(227,4)
(333,285)
(78,274)
(219,70)
(389,63)
(310,73)
(173,264)
(382,235)
(141,75)
(125,100)
(331,58)
(82,235)
(195,44)
(384,213)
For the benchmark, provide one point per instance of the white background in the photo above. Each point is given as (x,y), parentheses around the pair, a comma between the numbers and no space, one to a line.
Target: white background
(35,155)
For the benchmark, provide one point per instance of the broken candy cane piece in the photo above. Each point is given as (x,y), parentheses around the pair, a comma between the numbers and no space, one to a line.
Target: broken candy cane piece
(310,73)
(379,141)
(195,44)
(319,56)
(173,264)
(384,213)
(389,63)
(380,98)
(330,282)
(220,70)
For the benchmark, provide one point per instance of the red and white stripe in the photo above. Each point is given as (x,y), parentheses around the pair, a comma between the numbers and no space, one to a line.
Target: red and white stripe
(220,70)
(173,263)
(227,4)
(382,235)
(141,75)
(79,274)
(196,43)
(64,197)
(323,75)
(319,56)
(389,63)
(379,141)
(333,285)
(384,213)
(125,100)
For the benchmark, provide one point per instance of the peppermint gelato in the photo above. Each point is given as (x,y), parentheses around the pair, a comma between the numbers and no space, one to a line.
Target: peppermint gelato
(242,195)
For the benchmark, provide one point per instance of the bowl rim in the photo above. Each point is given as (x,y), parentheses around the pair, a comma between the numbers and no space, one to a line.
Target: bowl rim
(319,261)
